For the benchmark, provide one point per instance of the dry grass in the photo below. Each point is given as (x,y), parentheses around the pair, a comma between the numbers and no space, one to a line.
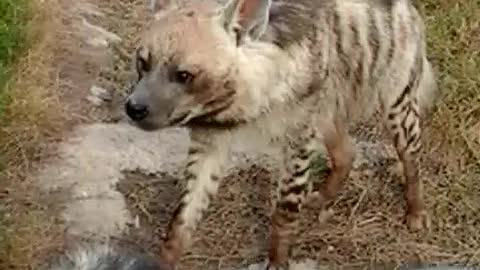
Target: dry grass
(33,112)
(41,107)
(32,117)
(454,47)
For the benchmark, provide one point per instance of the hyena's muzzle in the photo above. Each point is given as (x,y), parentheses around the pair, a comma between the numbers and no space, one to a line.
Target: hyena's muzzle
(155,103)
(142,112)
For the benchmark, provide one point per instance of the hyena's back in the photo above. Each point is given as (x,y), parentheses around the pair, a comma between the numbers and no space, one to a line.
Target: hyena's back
(370,51)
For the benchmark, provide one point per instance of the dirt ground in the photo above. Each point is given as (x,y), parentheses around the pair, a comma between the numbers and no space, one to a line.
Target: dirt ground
(363,229)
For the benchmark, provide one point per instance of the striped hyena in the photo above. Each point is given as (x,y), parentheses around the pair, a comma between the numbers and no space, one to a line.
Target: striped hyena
(300,72)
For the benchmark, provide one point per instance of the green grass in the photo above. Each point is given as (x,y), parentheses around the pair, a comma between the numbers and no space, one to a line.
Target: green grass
(13,36)
(453,31)
(13,42)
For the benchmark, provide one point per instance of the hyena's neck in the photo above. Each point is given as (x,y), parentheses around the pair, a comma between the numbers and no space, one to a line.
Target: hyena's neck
(268,78)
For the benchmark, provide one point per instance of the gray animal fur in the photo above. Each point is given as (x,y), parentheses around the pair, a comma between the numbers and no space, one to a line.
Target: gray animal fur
(106,258)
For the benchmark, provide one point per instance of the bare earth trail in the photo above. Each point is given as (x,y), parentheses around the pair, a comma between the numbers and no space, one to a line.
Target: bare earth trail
(120,182)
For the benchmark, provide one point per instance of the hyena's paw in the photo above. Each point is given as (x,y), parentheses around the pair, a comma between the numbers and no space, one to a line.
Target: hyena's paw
(418,221)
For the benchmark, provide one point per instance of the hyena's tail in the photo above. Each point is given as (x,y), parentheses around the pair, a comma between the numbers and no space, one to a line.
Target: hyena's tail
(105,257)
(428,92)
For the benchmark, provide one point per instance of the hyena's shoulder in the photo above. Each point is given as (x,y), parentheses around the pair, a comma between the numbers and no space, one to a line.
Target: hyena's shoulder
(293,22)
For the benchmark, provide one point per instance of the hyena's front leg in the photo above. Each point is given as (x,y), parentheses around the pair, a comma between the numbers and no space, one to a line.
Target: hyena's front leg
(206,156)
(293,188)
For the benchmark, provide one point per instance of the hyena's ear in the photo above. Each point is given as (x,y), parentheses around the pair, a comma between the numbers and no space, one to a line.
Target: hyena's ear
(246,18)
(157,5)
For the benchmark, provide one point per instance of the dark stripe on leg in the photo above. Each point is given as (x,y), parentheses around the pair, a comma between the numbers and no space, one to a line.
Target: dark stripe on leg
(373,39)
(295,189)
(406,91)
(390,21)
(301,173)
(291,207)
(305,154)
(338,34)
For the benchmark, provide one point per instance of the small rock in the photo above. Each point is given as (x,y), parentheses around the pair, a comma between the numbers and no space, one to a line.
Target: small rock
(257,266)
(95,100)
(325,214)
(101,93)
(98,35)
(89,9)
(136,222)
(97,42)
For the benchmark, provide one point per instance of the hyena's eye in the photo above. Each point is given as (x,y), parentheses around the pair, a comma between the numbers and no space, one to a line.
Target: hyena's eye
(183,77)
(143,65)
(143,61)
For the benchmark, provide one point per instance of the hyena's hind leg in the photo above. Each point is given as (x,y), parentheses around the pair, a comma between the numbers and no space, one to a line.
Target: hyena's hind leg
(295,186)
(404,122)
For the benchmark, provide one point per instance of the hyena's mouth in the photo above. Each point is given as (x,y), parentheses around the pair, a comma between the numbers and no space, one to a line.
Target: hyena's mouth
(179,120)
(145,126)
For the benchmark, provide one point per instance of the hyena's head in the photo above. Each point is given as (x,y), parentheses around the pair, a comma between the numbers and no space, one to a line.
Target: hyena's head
(188,62)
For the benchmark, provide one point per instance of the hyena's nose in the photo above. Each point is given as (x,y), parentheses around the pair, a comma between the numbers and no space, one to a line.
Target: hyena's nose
(136,112)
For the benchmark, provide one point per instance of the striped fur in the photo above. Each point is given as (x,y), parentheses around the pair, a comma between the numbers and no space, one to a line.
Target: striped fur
(299,72)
